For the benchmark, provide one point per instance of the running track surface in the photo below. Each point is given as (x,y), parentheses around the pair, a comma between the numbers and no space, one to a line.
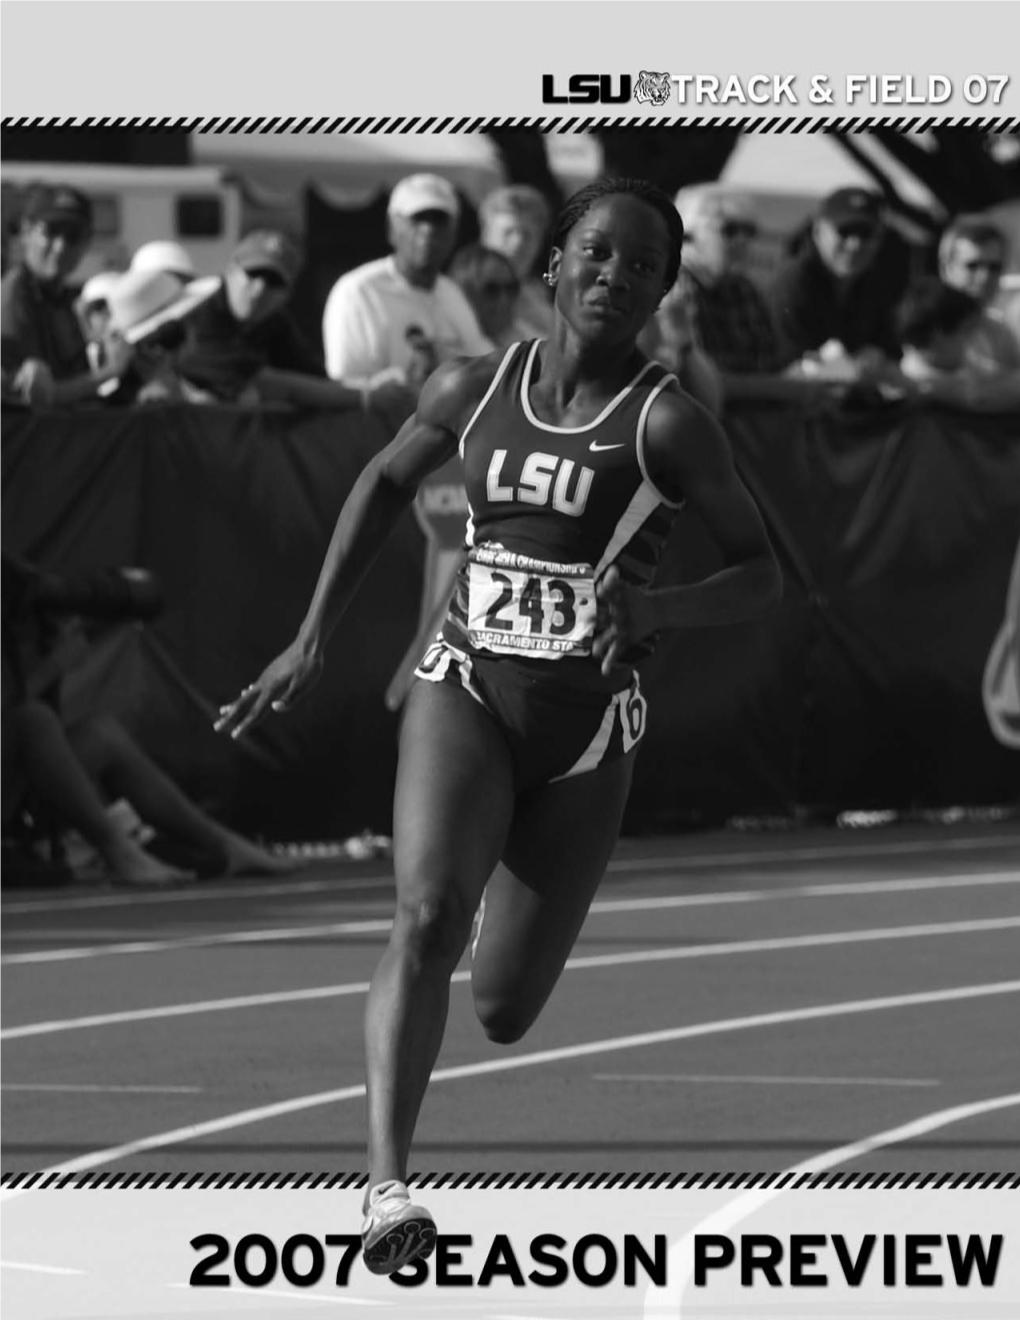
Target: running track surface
(735,1003)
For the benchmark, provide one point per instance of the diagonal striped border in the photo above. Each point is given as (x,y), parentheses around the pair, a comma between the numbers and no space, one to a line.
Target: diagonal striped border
(946,1182)
(452,124)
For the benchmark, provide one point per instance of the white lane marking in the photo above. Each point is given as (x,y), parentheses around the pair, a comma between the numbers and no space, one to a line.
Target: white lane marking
(765,1080)
(821,853)
(130,1090)
(601,907)
(681,952)
(36,1269)
(208,891)
(198,942)
(560,1054)
(580,963)
(721,1221)
(837,889)
(205,891)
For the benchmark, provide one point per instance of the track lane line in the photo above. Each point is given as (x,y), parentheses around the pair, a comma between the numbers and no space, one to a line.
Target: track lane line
(212,890)
(560,1054)
(581,963)
(601,907)
(681,1254)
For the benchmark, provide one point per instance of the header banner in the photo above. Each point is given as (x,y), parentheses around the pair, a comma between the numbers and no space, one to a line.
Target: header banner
(643,59)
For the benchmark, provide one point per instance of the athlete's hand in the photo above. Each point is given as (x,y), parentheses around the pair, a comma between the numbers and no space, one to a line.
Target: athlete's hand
(282,683)
(624,617)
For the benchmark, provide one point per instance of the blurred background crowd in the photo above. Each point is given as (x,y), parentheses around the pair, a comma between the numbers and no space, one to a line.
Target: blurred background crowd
(873,273)
(125,284)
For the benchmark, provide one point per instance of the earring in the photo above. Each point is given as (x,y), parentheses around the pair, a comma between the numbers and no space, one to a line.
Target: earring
(550,279)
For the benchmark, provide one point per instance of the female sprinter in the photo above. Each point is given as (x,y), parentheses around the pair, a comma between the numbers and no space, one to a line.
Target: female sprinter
(518,741)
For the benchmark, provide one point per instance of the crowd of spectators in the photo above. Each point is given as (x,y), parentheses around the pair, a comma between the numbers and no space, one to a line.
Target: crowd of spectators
(845,310)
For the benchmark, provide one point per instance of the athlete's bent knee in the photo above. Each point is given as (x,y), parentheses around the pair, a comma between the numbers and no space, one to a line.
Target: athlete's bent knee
(432,929)
(503,1023)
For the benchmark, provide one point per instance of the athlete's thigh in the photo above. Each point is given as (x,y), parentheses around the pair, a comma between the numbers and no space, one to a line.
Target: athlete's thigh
(454,796)
(559,845)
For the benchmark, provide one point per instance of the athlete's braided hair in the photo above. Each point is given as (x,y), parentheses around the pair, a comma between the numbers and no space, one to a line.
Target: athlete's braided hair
(585,198)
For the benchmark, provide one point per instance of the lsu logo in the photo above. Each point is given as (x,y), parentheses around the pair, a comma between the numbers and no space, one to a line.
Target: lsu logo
(652,88)
(536,483)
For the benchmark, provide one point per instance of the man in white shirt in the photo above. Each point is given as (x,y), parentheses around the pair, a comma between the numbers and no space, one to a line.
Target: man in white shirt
(398,317)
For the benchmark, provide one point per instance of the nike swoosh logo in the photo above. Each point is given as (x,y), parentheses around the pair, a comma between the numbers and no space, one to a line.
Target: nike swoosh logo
(596,448)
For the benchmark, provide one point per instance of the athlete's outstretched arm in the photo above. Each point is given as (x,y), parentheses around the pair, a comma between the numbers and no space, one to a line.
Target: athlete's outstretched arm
(385,488)
(688,457)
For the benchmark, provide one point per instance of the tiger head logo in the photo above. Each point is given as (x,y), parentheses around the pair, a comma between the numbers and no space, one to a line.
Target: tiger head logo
(652,88)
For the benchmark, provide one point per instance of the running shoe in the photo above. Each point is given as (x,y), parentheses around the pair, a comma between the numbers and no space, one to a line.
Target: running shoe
(395,1232)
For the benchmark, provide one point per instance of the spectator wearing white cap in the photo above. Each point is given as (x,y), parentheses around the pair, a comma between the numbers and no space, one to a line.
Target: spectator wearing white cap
(162,254)
(398,317)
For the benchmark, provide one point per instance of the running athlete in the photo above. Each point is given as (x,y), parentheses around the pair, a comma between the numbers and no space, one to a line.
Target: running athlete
(518,741)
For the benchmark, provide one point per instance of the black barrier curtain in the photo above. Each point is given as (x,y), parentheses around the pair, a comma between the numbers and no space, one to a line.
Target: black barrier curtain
(896,534)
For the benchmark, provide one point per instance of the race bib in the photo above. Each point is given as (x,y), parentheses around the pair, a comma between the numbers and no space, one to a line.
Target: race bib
(523,606)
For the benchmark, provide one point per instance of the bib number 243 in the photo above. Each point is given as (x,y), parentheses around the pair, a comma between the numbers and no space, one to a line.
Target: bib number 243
(514,612)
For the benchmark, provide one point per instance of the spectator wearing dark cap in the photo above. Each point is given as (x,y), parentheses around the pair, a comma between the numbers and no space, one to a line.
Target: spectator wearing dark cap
(243,328)
(835,297)
(243,346)
(44,358)
(378,315)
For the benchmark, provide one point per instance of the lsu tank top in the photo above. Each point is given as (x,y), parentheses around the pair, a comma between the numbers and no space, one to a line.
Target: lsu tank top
(550,509)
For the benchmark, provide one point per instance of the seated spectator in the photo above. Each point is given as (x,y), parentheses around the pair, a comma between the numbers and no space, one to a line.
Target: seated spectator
(715,304)
(371,309)
(972,257)
(74,767)
(165,256)
(936,325)
(515,221)
(93,308)
(838,291)
(243,347)
(94,314)
(491,286)
(44,359)
(148,309)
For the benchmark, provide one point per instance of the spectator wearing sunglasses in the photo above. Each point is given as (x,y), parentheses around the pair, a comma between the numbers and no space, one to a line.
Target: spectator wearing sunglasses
(242,346)
(972,256)
(715,305)
(244,328)
(835,297)
(490,284)
(515,220)
(44,359)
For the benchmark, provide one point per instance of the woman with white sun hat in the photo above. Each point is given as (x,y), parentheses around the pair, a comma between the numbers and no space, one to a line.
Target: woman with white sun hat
(148,309)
